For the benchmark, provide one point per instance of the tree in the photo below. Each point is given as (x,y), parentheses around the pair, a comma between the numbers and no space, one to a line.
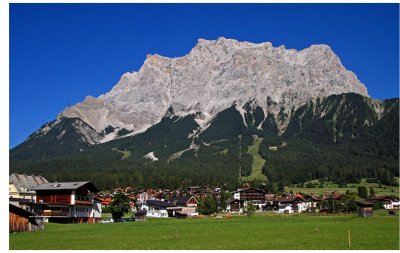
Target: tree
(223,197)
(321,201)
(362,192)
(250,209)
(371,192)
(120,205)
(207,205)
(281,187)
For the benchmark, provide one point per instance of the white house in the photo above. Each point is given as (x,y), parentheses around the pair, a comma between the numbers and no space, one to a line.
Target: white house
(160,209)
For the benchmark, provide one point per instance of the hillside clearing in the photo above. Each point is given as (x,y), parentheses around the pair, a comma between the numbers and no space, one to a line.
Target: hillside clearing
(258,162)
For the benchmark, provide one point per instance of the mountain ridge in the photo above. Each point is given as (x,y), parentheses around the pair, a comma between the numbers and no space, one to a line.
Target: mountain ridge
(210,78)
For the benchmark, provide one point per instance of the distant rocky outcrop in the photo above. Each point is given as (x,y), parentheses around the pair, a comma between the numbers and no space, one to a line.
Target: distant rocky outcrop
(213,76)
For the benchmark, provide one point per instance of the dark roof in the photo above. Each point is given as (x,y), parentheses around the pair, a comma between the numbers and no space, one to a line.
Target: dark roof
(288,199)
(65,186)
(160,203)
(378,197)
(335,196)
(364,203)
(14,209)
(20,200)
(140,213)
(180,200)
(234,200)
(250,188)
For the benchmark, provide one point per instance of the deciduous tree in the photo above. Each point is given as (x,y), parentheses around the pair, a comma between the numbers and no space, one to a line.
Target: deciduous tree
(120,205)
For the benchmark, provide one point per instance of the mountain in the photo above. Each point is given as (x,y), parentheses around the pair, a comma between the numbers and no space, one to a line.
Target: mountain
(191,119)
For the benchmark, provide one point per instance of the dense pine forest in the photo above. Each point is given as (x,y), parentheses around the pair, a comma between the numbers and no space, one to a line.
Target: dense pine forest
(342,138)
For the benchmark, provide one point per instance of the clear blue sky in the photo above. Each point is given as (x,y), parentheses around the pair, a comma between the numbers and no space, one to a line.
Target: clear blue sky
(60,53)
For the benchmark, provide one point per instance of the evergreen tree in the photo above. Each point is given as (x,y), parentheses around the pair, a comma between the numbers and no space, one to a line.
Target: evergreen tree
(281,187)
(362,192)
(223,197)
(371,192)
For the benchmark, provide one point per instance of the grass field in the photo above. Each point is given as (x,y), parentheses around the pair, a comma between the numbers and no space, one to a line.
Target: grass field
(264,231)
(390,190)
(258,162)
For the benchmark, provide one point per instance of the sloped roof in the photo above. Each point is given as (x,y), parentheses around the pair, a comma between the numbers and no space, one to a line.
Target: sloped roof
(378,197)
(25,181)
(14,209)
(161,203)
(288,199)
(65,186)
(331,196)
(180,200)
(249,188)
(364,203)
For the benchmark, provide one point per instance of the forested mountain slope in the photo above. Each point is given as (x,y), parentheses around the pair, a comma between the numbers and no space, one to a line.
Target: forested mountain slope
(345,137)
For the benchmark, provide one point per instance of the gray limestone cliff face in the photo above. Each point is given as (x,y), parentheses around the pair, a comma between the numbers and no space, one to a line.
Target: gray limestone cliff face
(213,76)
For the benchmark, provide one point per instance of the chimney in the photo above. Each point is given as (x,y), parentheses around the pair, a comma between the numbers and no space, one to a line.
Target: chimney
(16,174)
(25,175)
(55,185)
(41,178)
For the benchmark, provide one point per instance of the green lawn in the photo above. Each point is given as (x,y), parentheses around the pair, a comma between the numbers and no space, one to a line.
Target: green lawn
(265,231)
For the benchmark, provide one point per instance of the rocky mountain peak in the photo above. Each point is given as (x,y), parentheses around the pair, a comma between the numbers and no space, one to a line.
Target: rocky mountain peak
(214,75)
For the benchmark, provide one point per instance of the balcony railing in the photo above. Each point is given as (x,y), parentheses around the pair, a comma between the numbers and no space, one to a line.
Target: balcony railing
(83,202)
(55,213)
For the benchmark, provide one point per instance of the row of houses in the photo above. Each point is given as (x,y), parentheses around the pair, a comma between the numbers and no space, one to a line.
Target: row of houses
(81,202)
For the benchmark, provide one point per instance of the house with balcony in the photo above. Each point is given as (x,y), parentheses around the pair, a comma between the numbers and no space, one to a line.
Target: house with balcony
(188,203)
(290,203)
(385,200)
(257,196)
(19,189)
(68,202)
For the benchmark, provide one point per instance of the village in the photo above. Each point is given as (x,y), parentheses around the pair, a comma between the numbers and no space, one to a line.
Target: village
(34,201)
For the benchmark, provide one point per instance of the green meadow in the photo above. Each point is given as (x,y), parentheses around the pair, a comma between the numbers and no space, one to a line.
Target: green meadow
(264,231)
(258,162)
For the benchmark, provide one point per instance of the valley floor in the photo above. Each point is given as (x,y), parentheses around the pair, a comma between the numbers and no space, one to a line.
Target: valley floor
(264,231)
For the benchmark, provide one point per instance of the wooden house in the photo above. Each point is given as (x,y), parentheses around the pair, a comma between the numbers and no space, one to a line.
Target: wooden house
(68,202)
(249,194)
(257,196)
(22,220)
(140,216)
(365,208)
(188,203)
(385,200)
(335,196)
(235,205)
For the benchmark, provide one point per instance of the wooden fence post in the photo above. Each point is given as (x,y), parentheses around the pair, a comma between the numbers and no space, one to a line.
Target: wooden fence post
(348,233)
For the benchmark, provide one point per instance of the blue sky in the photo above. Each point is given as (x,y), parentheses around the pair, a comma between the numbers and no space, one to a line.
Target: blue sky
(60,53)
